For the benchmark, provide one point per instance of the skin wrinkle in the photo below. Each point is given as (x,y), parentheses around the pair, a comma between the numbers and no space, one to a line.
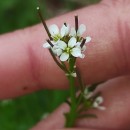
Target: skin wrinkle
(32,59)
(123,46)
(104,46)
(35,62)
(115,3)
(35,52)
(122,21)
(32,79)
(34,66)
(18,69)
(127,49)
(90,54)
(121,58)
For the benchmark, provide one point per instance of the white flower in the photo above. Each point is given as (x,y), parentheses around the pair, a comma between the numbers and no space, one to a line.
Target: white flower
(63,46)
(87,93)
(47,45)
(79,33)
(56,33)
(98,101)
(64,50)
(88,39)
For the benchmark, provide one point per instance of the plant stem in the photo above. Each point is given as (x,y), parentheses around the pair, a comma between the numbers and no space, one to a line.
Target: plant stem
(71,116)
(44,23)
(56,61)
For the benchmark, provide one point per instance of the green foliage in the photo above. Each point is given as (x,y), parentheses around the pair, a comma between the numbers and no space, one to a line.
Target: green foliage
(23,112)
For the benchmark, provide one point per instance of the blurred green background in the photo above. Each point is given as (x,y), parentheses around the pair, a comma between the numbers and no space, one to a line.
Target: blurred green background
(24,112)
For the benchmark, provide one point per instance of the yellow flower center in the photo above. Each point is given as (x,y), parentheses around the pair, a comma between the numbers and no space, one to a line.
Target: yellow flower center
(68,50)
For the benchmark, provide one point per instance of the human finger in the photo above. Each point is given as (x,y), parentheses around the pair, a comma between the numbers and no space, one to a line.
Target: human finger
(115,117)
(25,66)
(76,129)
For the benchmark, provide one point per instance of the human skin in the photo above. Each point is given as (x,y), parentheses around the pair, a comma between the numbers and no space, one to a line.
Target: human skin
(26,67)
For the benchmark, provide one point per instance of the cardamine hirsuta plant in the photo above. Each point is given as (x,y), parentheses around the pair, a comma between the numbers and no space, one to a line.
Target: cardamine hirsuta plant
(66,45)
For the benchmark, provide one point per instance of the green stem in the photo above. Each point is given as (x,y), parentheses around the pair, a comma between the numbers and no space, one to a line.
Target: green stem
(56,61)
(72,114)
(72,90)
(44,23)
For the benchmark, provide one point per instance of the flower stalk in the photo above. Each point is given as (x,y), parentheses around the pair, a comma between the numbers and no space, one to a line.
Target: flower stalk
(65,46)
(70,120)
(76,23)
(44,23)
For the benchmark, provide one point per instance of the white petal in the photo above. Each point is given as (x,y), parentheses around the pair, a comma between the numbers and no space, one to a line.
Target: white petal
(54,30)
(67,29)
(54,43)
(64,56)
(76,52)
(64,30)
(82,56)
(88,39)
(62,45)
(54,51)
(73,74)
(99,100)
(78,43)
(83,48)
(89,95)
(59,52)
(55,47)
(72,42)
(81,30)
(46,45)
(95,105)
(73,32)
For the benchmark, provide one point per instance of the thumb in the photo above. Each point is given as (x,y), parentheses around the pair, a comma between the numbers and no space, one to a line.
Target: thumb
(116,95)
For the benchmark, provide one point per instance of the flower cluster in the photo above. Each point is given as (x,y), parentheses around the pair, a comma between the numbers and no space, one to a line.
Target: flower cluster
(96,102)
(67,42)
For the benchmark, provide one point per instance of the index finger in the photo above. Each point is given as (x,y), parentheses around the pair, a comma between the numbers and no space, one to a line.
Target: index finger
(25,66)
